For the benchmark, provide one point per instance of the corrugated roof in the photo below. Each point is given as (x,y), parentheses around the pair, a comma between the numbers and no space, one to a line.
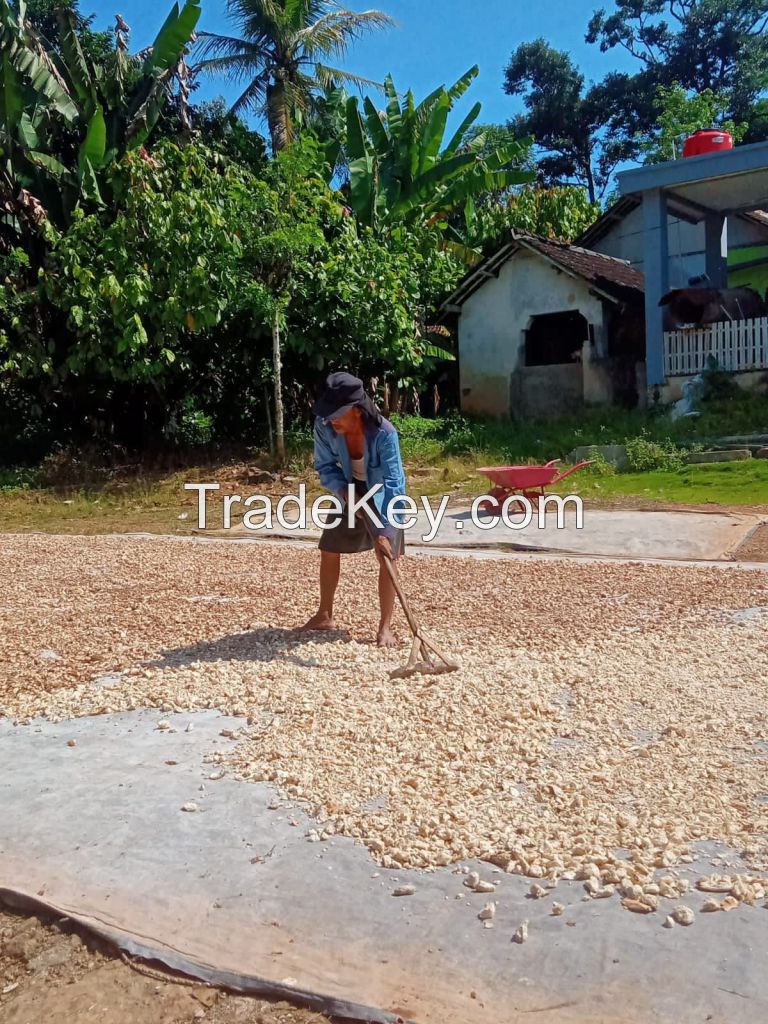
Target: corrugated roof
(626,204)
(614,278)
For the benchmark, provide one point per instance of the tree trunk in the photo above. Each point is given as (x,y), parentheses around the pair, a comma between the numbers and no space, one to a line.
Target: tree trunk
(277,367)
(278,117)
(270,432)
(589,176)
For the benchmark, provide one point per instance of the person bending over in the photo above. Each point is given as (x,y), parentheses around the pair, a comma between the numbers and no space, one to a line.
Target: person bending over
(355,444)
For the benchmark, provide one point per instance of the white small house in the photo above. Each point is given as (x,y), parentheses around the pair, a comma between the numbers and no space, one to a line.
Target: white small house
(545,327)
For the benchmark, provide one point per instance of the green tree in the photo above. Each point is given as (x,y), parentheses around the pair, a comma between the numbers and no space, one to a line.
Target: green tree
(202,284)
(292,245)
(139,288)
(562,212)
(280,55)
(367,305)
(64,121)
(403,170)
(212,124)
(43,15)
(720,45)
(581,133)
(681,113)
(147,307)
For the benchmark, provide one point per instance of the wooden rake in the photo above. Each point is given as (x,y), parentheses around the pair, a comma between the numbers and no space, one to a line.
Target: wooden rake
(426,658)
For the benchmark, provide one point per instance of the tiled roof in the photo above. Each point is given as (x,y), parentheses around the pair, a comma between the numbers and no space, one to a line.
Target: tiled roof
(605,272)
(613,277)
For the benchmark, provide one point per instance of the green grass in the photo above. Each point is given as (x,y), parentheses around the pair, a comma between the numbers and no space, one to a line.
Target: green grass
(729,483)
(441,456)
(504,442)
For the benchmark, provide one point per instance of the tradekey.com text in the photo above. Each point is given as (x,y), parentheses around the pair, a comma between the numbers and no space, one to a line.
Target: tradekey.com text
(402,512)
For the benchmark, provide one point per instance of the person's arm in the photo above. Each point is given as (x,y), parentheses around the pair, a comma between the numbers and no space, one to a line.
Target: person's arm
(393,480)
(327,464)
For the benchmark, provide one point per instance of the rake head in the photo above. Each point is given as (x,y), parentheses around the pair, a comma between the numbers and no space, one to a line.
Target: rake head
(425,660)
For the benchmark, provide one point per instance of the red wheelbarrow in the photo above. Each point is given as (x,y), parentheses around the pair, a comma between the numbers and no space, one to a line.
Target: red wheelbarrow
(523,481)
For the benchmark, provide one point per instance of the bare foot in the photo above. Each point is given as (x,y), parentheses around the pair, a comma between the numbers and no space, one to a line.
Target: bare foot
(321,622)
(386,637)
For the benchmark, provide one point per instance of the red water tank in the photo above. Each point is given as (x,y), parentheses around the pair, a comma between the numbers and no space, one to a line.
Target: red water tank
(708,140)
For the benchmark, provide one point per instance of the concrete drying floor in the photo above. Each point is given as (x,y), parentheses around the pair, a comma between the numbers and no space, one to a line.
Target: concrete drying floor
(234,892)
(617,534)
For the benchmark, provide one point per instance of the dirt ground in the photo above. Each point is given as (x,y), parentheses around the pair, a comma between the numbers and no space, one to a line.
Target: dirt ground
(50,973)
(754,548)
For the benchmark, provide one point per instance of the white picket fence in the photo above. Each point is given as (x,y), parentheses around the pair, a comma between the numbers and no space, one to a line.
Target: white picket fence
(735,344)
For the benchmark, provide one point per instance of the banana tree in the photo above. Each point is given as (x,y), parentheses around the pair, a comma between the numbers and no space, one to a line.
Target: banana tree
(402,169)
(33,94)
(48,99)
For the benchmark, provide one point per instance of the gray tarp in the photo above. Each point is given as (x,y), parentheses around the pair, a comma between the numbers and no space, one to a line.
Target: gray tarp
(235,894)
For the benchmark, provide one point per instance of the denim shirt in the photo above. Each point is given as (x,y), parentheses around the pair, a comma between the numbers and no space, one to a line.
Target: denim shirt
(381,459)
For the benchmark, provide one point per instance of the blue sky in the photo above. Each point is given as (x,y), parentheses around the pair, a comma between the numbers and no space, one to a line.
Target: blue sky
(433,43)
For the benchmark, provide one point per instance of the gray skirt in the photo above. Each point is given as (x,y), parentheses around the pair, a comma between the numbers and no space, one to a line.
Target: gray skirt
(346,540)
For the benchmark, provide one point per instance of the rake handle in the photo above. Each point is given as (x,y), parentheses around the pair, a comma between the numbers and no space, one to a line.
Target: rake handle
(412,620)
(421,646)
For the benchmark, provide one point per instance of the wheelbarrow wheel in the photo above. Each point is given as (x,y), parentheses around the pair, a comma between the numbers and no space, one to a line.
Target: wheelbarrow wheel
(494,501)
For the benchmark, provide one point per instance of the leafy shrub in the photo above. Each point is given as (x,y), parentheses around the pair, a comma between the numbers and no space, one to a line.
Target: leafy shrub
(717,384)
(420,438)
(461,436)
(193,427)
(600,466)
(645,454)
(18,477)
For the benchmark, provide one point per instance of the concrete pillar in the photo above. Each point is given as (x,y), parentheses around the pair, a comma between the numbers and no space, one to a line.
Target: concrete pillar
(656,270)
(716,249)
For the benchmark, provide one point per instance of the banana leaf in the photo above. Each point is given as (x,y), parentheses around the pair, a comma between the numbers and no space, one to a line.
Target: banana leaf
(434,133)
(457,91)
(390,186)
(51,165)
(376,128)
(75,62)
(94,145)
(89,184)
(426,106)
(39,73)
(462,130)
(441,173)
(11,96)
(144,112)
(484,181)
(394,113)
(173,37)
(27,132)
(435,352)
(362,182)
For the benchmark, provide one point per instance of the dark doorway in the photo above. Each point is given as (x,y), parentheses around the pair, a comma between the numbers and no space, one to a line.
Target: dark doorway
(555,338)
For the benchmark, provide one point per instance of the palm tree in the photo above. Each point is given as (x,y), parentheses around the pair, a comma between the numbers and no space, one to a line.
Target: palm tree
(280,55)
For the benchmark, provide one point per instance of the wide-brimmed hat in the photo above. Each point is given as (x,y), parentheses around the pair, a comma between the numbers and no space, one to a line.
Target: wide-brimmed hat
(342,393)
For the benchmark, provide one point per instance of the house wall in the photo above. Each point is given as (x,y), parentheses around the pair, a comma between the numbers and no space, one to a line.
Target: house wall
(545,392)
(686,243)
(492,338)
